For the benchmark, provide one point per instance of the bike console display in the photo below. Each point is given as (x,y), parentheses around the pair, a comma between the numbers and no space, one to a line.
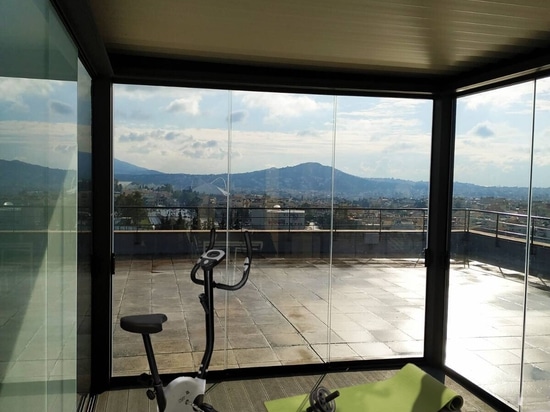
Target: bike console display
(212,257)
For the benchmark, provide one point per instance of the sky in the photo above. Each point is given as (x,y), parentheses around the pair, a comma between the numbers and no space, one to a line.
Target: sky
(209,131)
(200,131)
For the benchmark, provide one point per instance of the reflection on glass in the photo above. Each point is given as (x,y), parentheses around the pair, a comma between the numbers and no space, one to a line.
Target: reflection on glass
(333,190)
(38,212)
(288,138)
(84,225)
(536,360)
(492,166)
(38,244)
(378,305)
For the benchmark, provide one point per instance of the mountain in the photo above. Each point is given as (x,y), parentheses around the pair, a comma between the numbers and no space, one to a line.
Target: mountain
(16,176)
(123,167)
(306,179)
(303,180)
(314,179)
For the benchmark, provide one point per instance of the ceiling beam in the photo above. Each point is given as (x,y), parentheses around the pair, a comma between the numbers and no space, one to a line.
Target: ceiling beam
(503,71)
(78,19)
(134,68)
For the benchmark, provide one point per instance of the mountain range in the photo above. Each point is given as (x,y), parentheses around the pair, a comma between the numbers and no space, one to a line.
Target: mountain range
(314,179)
(303,180)
(16,176)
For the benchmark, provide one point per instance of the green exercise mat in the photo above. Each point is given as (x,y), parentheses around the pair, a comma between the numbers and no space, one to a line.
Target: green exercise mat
(409,390)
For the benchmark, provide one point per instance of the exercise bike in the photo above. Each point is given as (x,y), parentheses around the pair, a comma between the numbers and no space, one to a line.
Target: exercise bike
(186,394)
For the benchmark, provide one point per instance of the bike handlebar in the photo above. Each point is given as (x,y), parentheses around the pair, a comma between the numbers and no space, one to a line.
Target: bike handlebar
(246,266)
(212,239)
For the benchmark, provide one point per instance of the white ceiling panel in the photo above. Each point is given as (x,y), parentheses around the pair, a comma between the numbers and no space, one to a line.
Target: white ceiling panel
(423,36)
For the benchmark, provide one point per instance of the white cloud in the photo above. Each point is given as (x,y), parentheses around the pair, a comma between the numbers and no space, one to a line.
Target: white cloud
(188,104)
(42,143)
(170,150)
(14,90)
(36,131)
(141,93)
(61,108)
(498,99)
(503,160)
(392,134)
(280,105)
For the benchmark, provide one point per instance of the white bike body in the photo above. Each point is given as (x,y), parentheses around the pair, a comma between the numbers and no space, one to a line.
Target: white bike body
(182,392)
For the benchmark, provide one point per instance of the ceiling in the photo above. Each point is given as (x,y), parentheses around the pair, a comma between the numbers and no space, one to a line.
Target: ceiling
(427,37)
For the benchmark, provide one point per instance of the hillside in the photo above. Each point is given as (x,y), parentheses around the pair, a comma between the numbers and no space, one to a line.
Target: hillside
(303,180)
(314,179)
(16,176)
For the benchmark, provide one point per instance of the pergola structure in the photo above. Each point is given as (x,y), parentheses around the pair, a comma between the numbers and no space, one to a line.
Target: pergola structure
(436,49)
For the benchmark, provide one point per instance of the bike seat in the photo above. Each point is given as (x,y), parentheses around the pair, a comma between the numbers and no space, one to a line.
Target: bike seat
(144,324)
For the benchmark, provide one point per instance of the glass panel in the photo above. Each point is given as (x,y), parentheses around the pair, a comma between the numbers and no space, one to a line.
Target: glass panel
(84,224)
(492,167)
(536,367)
(38,212)
(162,220)
(287,141)
(182,168)
(379,279)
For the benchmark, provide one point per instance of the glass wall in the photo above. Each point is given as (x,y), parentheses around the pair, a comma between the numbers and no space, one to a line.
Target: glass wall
(497,314)
(84,225)
(39,145)
(334,193)
(536,353)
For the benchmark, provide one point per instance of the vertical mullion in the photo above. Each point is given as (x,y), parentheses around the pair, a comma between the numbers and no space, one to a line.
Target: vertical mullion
(439,230)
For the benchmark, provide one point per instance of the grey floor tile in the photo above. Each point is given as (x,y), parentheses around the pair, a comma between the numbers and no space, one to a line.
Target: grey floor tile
(377,312)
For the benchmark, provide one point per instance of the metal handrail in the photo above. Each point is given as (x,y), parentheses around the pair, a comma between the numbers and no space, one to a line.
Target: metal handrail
(489,222)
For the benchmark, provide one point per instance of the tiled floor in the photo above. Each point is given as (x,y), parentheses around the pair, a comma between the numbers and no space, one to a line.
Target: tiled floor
(376,306)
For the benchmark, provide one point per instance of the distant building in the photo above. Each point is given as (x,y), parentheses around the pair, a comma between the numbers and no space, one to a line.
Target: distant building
(278,219)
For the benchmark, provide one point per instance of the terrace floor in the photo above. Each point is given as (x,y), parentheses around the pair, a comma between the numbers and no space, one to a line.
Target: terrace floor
(375,311)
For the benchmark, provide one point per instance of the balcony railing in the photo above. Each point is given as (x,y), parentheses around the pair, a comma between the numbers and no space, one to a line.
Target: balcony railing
(492,223)
(502,224)
(308,218)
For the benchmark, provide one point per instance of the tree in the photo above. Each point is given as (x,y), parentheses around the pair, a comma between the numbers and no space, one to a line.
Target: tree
(187,197)
(131,206)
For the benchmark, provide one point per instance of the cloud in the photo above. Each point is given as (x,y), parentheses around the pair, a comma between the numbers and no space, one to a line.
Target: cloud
(280,105)
(65,148)
(36,131)
(15,91)
(133,114)
(239,116)
(28,141)
(483,130)
(171,150)
(309,133)
(189,105)
(502,98)
(203,150)
(205,145)
(12,89)
(61,108)
(133,137)
(141,93)
(170,136)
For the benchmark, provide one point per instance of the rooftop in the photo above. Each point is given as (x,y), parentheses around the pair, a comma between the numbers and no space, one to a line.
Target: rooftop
(377,312)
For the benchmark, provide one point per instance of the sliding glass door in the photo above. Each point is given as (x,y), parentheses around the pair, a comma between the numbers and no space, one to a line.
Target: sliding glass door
(333,190)
(44,138)
(499,302)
